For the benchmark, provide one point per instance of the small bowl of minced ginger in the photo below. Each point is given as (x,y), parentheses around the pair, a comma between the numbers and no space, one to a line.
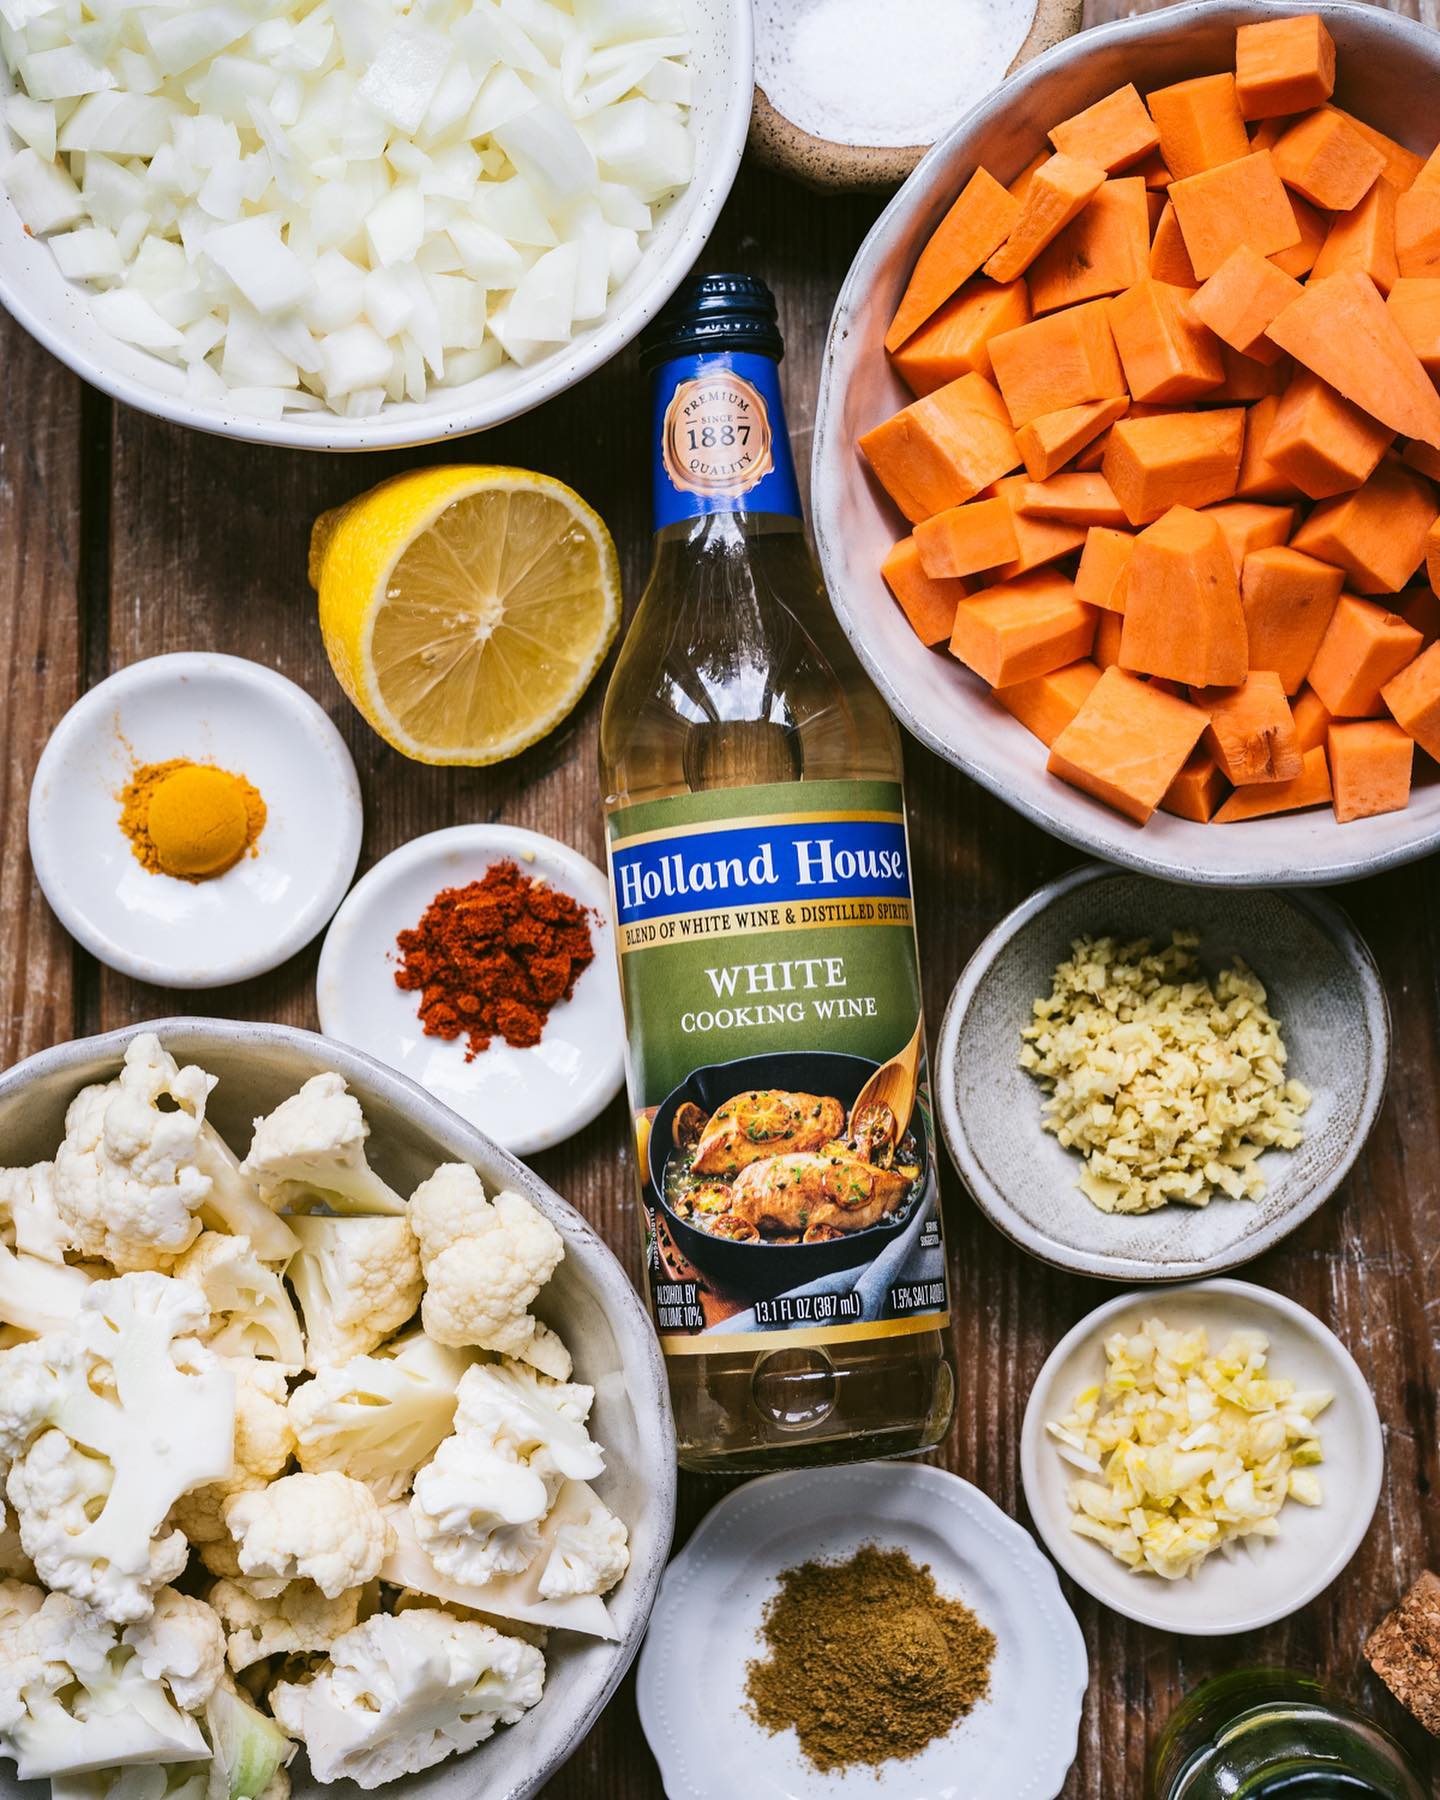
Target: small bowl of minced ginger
(1152,1082)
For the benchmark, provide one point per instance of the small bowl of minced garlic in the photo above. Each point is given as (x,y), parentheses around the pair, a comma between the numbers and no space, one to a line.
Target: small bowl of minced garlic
(1152,1082)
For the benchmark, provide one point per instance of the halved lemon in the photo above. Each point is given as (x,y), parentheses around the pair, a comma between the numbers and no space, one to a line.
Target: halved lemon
(465,609)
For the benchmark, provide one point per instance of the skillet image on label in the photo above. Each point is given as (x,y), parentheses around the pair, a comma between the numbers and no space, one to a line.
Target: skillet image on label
(780,1190)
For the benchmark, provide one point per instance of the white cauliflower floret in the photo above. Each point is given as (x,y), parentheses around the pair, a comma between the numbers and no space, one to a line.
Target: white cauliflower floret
(126,1182)
(56,1489)
(357,1280)
(244,1761)
(477,1510)
(29,1221)
(313,1145)
(402,1693)
(33,1378)
(478,1506)
(264,1444)
(541,1421)
(589,1556)
(137,1414)
(131,1179)
(322,1528)
(548,1354)
(38,1296)
(137,1781)
(19,1601)
(484,1263)
(221,1558)
(299,1620)
(377,1418)
(74,1698)
(182,1644)
(250,1311)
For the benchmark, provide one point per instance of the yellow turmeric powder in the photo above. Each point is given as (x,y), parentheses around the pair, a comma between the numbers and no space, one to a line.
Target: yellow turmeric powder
(189,819)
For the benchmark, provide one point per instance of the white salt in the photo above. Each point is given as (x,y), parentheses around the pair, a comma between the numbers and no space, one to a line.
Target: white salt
(884,72)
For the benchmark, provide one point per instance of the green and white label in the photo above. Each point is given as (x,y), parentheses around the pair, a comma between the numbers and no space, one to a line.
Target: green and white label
(768,964)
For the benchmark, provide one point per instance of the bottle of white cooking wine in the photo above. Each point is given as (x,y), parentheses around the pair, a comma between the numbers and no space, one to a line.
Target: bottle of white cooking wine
(761,877)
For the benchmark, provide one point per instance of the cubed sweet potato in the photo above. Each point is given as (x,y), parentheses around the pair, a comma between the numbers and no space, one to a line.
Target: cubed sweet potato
(1019,629)
(1183,616)
(1173,459)
(1364,647)
(1283,66)
(928,605)
(1288,599)
(1127,743)
(1370,767)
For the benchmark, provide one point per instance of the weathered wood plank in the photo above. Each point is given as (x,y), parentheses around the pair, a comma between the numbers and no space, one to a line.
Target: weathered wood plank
(48,473)
(196,543)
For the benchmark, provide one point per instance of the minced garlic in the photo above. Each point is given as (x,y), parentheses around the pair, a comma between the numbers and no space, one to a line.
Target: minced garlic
(1168,1087)
(1182,1452)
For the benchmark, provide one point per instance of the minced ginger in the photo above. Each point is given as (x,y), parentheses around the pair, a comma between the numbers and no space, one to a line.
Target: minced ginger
(1168,1087)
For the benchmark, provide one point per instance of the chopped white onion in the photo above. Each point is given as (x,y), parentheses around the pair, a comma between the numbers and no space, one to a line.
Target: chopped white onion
(350,203)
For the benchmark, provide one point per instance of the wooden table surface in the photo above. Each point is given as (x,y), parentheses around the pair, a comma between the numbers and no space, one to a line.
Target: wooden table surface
(122,537)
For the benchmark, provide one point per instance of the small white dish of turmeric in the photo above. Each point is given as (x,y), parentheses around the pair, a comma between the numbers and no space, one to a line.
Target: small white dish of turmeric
(1121,1051)
(195,819)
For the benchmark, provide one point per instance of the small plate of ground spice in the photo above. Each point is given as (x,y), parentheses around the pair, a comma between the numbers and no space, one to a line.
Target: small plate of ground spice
(876,1630)
(194,820)
(479,961)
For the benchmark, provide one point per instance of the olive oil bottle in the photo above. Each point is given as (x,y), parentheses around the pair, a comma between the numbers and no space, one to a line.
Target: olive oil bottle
(760,869)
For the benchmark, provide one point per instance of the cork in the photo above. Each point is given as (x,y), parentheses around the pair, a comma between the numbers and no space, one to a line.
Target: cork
(1404,1651)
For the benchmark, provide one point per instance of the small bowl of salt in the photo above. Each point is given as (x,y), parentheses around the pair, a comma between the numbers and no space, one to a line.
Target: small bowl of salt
(849,96)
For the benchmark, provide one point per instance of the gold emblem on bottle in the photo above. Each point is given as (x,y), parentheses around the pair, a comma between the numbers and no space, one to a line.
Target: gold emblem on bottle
(716,436)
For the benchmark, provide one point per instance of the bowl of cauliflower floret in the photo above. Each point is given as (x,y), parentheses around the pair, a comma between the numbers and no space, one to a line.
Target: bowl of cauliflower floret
(334,1446)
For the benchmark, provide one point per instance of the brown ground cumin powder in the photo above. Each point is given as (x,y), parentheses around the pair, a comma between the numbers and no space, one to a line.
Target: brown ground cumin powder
(867,1661)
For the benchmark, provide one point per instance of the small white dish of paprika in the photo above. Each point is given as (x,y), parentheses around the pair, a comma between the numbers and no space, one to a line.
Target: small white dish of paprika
(194,820)
(480,961)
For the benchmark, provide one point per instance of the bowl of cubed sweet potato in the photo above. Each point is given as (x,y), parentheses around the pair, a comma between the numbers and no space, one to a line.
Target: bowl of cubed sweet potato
(1127,455)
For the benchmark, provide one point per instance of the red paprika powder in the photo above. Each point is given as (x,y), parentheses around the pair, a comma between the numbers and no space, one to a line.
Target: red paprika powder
(490,959)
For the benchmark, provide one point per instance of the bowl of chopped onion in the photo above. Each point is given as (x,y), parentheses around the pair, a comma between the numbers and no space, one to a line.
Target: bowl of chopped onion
(351,227)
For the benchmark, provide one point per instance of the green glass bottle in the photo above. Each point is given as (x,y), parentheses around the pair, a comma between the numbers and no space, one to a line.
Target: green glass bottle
(1270,1734)
(758,851)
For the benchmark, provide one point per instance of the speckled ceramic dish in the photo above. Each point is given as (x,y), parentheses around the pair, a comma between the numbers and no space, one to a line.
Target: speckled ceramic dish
(1389,72)
(1017,1743)
(57,311)
(589,1298)
(1323,987)
(1253,1587)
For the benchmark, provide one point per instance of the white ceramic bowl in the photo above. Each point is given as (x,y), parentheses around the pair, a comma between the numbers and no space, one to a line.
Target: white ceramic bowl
(528,1099)
(589,1299)
(1314,1544)
(240,716)
(57,311)
(1323,987)
(1017,1744)
(1390,72)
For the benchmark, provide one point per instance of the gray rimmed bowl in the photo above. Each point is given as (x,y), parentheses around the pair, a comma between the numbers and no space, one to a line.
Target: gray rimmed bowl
(1323,987)
(590,1300)
(1390,72)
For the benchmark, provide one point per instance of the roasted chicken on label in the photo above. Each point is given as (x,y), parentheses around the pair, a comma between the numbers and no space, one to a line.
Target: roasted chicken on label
(772,1166)
(761,1124)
